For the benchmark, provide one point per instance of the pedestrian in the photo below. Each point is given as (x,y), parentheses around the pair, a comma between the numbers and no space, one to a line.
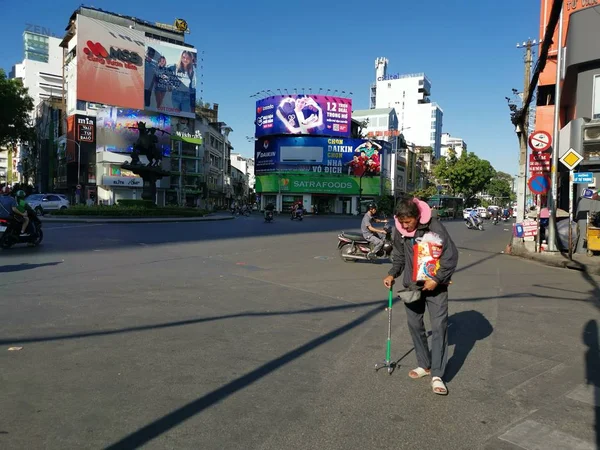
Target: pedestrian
(427,275)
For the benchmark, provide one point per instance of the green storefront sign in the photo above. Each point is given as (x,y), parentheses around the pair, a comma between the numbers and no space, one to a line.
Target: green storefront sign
(342,185)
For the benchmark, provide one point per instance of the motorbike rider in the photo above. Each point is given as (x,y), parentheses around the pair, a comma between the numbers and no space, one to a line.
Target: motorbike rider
(7,203)
(370,233)
(506,213)
(22,211)
(298,207)
(16,207)
(269,208)
(495,214)
(474,217)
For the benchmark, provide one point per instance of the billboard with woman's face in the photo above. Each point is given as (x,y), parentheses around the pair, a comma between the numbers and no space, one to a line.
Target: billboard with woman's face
(170,79)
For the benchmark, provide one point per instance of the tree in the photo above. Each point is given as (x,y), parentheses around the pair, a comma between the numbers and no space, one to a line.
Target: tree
(466,175)
(15,124)
(427,193)
(501,187)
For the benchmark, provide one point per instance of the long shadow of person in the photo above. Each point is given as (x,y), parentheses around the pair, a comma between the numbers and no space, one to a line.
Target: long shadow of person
(464,330)
(592,369)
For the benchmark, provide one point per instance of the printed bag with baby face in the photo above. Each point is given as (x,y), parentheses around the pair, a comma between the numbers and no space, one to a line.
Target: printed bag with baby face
(427,252)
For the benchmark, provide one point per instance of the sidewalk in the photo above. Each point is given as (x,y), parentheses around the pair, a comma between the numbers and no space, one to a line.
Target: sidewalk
(92,219)
(580,262)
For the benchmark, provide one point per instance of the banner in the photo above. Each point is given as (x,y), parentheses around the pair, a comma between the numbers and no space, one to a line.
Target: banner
(80,129)
(115,128)
(170,79)
(358,157)
(317,184)
(110,63)
(303,114)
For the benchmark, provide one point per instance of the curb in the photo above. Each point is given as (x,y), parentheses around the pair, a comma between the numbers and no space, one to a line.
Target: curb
(133,219)
(550,261)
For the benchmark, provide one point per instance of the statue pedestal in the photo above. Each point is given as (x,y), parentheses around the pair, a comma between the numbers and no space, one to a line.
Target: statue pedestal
(150,175)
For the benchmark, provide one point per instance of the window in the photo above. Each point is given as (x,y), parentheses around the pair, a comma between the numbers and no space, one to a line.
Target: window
(389,85)
(402,105)
(596,98)
(433,136)
(403,94)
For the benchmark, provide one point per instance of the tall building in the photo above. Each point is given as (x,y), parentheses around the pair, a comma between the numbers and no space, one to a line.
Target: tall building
(119,71)
(41,73)
(419,119)
(245,165)
(452,146)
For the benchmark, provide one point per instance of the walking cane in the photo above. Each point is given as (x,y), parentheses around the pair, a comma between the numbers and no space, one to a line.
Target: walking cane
(388,360)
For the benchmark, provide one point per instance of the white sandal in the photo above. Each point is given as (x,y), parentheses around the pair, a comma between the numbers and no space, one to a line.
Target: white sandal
(438,386)
(420,373)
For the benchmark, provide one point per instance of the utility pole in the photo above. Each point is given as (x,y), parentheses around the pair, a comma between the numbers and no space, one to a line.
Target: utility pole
(523,134)
(552,199)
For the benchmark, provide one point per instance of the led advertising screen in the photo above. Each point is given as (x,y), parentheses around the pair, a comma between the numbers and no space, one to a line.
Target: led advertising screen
(110,63)
(303,114)
(115,129)
(310,154)
(170,79)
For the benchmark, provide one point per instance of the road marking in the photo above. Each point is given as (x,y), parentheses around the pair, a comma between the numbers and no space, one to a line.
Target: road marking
(74,226)
(531,435)
(589,394)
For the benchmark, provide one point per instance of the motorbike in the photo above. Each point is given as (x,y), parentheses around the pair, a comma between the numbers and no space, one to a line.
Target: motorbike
(495,220)
(354,247)
(10,231)
(478,224)
(269,216)
(298,214)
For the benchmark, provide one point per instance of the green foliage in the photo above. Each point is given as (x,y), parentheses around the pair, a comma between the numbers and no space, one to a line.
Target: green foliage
(15,124)
(425,194)
(129,211)
(466,176)
(137,203)
(385,205)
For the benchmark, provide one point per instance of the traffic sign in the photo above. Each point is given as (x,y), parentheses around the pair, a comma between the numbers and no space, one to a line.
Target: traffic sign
(571,159)
(540,162)
(539,184)
(583,177)
(587,193)
(540,141)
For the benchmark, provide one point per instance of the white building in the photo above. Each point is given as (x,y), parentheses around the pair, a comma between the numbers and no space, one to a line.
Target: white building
(452,145)
(246,165)
(419,119)
(41,74)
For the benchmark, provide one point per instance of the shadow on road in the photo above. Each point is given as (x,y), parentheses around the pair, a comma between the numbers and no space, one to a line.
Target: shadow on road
(26,266)
(465,328)
(180,415)
(179,323)
(592,368)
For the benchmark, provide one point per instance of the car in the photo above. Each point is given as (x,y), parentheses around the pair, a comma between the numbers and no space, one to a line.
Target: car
(43,203)
(483,213)
(467,212)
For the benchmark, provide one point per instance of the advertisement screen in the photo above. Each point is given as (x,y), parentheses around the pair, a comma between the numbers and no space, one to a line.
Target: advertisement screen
(356,157)
(303,114)
(115,129)
(170,79)
(110,63)
(81,129)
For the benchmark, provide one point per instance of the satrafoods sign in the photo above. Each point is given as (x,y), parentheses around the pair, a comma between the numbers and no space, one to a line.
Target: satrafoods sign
(343,185)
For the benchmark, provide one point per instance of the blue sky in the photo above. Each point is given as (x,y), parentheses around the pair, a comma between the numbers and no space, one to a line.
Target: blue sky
(466,48)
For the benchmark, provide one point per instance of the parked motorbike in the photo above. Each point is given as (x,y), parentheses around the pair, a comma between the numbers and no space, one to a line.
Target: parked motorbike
(269,216)
(354,247)
(477,226)
(10,231)
(297,215)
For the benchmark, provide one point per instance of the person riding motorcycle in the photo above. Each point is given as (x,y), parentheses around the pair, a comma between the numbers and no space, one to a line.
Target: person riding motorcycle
(370,233)
(506,214)
(495,213)
(298,207)
(10,206)
(21,210)
(269,208)
(474,217)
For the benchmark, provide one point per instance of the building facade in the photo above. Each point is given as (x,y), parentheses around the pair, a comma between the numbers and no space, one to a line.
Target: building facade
(452,146)
(246,166)
(121,71)
(42,75)
(420,120)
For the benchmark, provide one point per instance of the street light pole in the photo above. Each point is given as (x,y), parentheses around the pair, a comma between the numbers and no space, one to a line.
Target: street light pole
(77,194)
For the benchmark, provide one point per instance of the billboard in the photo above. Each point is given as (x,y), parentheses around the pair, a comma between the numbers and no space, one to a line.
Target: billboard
(303,114)
(110,63)
(310,154)
(170,79)
(115,129)
(81,129)
(317,184)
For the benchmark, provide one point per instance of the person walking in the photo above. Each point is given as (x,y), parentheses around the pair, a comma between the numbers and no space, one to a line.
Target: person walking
(424,284)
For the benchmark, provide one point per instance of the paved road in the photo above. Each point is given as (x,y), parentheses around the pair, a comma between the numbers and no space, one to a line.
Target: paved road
(245,335)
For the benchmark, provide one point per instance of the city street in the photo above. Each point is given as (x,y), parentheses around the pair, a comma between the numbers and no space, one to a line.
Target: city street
(245,335)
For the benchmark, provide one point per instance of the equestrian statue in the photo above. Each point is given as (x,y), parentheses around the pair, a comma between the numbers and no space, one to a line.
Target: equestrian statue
(146,145)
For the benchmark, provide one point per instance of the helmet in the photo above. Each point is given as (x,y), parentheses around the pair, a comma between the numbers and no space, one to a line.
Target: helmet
(6,190)
(20,194)
(371,206)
